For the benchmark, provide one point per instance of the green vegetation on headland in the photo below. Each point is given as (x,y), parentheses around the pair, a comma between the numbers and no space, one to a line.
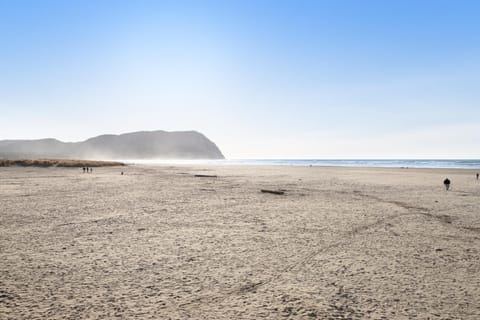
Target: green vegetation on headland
(69,163)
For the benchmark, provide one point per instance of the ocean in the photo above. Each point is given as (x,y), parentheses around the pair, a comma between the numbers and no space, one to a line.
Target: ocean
(380,163)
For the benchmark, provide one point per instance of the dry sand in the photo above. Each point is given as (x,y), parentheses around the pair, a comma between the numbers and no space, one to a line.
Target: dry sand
(160,243)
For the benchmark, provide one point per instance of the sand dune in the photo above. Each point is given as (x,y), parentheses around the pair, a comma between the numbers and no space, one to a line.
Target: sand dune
(162,243)
(58,163)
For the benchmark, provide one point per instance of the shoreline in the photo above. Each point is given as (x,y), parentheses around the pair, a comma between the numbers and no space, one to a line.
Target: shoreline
(293,167)
(473,164)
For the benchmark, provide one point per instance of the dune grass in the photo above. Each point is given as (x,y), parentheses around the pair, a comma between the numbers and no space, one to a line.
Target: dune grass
(58,163)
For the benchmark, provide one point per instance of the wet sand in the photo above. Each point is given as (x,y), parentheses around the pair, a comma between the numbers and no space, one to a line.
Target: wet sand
(160,243)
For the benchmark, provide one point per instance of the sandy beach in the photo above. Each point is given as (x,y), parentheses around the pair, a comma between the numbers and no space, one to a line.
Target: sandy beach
(160,243)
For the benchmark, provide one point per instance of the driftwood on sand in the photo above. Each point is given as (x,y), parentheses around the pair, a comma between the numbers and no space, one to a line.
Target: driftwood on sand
(205,176)
(280,192)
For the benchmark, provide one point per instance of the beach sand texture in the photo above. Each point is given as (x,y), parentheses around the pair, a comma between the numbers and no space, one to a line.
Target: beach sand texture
(160,243)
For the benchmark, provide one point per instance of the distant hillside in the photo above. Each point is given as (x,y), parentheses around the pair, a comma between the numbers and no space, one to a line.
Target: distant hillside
(135,145)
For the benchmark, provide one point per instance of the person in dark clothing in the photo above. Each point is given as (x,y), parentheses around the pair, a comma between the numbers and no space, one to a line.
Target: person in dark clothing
(477,175)
(83,169)
(446,182)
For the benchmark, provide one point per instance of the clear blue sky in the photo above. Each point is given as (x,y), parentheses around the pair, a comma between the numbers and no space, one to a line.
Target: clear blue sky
(263,79)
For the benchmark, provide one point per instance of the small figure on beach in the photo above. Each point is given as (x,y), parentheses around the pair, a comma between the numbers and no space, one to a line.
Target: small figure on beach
(83,169)
(446,182)
(122,173)
(477,175)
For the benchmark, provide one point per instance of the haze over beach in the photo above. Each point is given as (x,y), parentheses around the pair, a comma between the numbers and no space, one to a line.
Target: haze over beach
(239,159)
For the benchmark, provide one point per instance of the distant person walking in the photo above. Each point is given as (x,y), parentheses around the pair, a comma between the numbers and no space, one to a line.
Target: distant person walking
(83,169)
(477,175)
(446,182)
